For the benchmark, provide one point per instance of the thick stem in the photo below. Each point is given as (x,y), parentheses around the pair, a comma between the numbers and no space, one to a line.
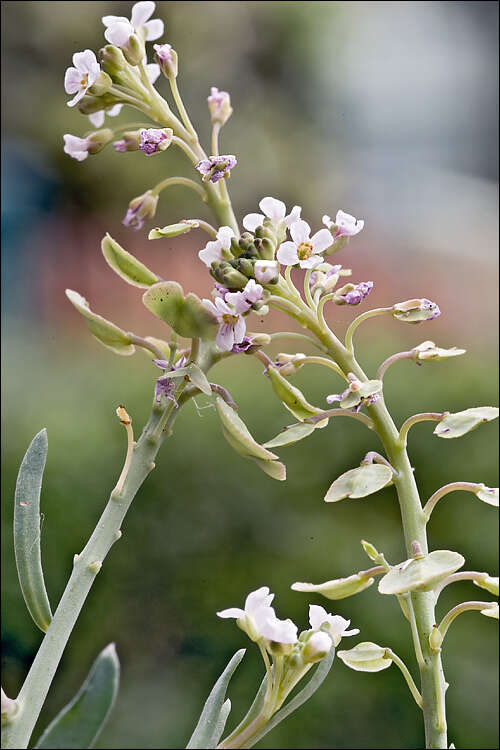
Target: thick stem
(414,527)
(86,566)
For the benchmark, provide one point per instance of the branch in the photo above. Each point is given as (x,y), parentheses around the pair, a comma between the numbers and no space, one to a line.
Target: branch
(445,490)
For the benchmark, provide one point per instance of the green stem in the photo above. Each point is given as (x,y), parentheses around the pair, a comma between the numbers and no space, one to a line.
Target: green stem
(427,416)
(360,319)
(297,335)
(458,610)
(413,519)
(391,360)
(170,181)
(406,674)
(340,413)
(452,487)
(182,110)
(108,530)
(466,575)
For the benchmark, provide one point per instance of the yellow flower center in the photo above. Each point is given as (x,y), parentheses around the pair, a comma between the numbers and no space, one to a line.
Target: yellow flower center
(85,80)
(229,320)
(304,250)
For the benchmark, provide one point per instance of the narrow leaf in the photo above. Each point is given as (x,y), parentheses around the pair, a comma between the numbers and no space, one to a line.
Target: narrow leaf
(290,435)
(314,683)
(79,723)
(125,265)
(204,736)
(27,528)
(104,331)
(221,722)
(253,711)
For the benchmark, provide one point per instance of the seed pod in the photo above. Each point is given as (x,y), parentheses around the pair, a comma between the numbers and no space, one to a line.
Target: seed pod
(238,436)
(292,397)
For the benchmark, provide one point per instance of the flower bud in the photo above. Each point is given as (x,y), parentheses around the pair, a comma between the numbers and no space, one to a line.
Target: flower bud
(130,141)
(102,84)
(265,247)
(219,105)
(167,59)
(353,294)
(112,59)
(216,168)
(317,647)
(370,551)
(97,140)
(140,209)
(435,639)
(228,276)
(173,230)
(245,265)
(89,105)
(134,49)
(155,140)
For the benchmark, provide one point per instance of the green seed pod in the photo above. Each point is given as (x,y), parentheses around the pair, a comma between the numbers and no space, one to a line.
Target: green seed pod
(489,583)
(292,397)
(125,265)
(458,424)
(238,436)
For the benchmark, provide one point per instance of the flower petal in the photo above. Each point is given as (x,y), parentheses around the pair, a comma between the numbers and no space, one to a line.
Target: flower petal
(153,70)
(225,337)
(210,253)
(119,33)
(154,29)
(97,119)
(142,12)
(273,208)
(321,240)
(311,262)
(231,612)
(300,231)
(293,216)
(72,80)
(287,254)
(114,111)
(259,598)
(252,221)
(239,330)
(110,20)
(225,235)
(85,61)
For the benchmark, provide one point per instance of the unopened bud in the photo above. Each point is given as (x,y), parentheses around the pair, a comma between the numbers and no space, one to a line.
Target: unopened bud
(219,105)
(112,59)
(435,639)
(267,271)
(317,647)
(97,140)
(370,550)
(134,49)
(102,84)
(130,141)
(140,209)
(155,140)
(167,59)
(123,416)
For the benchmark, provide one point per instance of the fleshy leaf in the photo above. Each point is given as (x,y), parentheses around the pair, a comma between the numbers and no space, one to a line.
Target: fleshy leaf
(237,434)
(291,435)
(489,584)
(363,390)
(187,315)
(337,589)
(252,712)
(79,723)
(360,482)
(27,531)
(274,469)
(105,332)
(366,657)
(209,729)
(428,351)
(173,230)
(420,574)
(488,495)
(199,379)
(491,611)
(292,397)
(126,266)
(314,683)
(458,424)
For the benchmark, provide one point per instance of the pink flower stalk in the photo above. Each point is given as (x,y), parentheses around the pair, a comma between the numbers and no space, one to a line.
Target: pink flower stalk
(78,79)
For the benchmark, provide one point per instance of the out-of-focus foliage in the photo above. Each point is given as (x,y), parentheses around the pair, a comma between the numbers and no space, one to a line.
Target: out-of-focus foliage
(370,107)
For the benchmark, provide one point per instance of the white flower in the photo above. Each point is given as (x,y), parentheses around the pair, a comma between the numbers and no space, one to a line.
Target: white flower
(274,210)
(336,625)
(76,147)
(346,224)
(266,271)
(317,647)
(214,250)
(119,28)
(229,312)
(252,292)
(97,119)
(273,629)
(258,601)
(79,79)
(304,250)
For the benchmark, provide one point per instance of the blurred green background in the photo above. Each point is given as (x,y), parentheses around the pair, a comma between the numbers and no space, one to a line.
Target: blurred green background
(386,110)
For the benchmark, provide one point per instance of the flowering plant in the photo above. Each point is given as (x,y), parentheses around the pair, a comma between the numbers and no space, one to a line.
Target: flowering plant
(252,271)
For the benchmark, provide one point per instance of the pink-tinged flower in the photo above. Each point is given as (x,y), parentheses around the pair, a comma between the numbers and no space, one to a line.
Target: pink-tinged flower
(229,312)
(139,23)
(354,295)
(304,249)
(77,148)
(215,168)
(334,625)
(346,225)
(219,105)
(78,79)
(165,386)
(217,250)
(275,210)
(325,280)
(167,59)
(97,119)
(252,292)
(266,271)
(139,209)
(154,140)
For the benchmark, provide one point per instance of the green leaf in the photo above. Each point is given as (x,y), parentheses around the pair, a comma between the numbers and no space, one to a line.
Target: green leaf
(488,495)
(292,397)
(79,723)
(126,266)
(366,657)
(237,434)
(420,574)
(458,424)
(208,730)
(188,316)
(360,482)
(199,379)
(252,712)
(290,435)
(274,469)
(489,583)
(337,589)
(27,531)
(314,683)
(105,332)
